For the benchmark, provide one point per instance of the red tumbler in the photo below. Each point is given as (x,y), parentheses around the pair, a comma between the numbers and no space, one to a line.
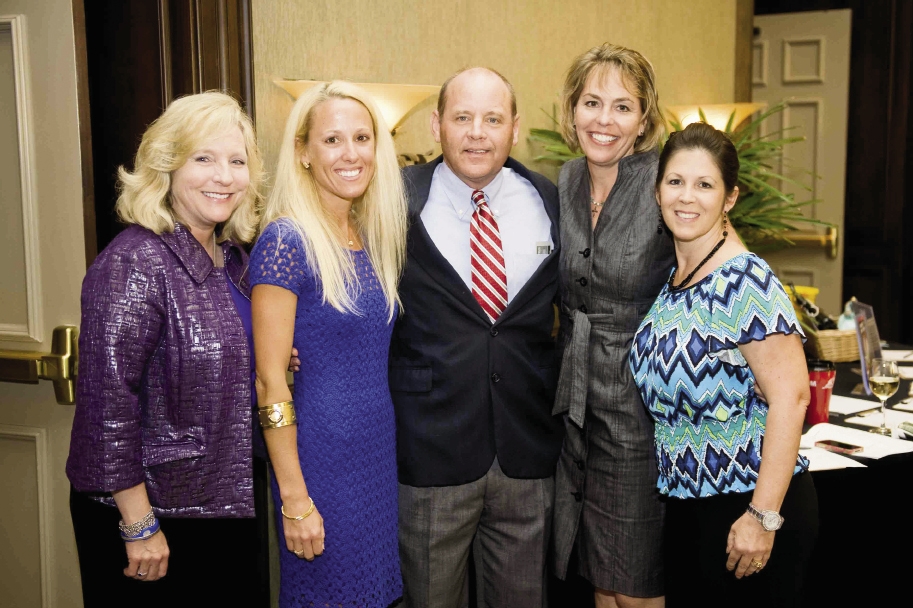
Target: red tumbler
(821,376)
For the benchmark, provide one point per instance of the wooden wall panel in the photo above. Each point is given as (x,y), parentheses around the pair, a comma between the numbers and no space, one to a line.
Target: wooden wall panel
(140,56)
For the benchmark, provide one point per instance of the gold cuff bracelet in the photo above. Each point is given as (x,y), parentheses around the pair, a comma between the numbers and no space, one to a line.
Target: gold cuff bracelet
(277,415)
(300,517)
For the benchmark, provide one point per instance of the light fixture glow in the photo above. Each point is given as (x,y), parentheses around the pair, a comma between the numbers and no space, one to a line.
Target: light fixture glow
(717,114)
(394,100)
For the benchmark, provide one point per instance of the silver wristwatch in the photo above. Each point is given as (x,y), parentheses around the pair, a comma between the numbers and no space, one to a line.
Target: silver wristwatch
(769,520)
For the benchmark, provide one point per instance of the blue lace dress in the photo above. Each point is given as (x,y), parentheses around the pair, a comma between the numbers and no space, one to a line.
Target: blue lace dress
(346,433)
(697,385)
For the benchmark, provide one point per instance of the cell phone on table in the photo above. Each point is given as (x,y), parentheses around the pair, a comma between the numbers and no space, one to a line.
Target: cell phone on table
(839,447)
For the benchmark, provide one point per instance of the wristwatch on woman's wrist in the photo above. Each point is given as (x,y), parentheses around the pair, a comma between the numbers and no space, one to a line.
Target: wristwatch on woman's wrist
(769,520)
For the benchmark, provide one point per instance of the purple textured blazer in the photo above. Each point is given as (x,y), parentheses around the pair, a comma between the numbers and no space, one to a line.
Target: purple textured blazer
(163,393)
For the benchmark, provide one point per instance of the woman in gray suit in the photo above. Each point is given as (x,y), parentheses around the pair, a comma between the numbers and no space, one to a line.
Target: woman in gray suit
(616,254)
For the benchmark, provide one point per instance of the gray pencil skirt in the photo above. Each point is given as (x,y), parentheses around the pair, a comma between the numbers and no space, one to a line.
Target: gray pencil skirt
(608,512)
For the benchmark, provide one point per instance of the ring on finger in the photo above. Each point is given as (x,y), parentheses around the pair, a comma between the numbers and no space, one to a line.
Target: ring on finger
(299,552)
(758,564)
(141,573)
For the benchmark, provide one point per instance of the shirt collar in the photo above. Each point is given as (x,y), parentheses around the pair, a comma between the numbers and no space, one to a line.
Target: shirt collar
(191,253)
(460,195)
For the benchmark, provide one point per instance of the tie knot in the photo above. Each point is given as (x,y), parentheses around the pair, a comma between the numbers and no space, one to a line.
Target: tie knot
(478,197)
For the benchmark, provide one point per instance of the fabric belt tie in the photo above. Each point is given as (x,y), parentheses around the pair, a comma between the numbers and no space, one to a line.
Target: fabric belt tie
(571,395)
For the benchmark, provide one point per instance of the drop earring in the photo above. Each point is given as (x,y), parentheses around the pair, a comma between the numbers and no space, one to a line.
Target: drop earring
(660,225)
(725,224)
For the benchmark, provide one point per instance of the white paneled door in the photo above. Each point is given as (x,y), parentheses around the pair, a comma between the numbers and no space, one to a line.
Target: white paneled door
(804,58)
(42,263)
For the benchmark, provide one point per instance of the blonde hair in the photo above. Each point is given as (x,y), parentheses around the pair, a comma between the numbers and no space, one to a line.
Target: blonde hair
(636,73)
(379,214)
(185,126)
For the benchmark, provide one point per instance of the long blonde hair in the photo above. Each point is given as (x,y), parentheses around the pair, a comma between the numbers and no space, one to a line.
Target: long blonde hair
(637,75)
(187,124)
(379,214)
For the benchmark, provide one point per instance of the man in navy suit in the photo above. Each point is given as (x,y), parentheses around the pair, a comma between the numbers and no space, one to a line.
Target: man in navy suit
(473,363)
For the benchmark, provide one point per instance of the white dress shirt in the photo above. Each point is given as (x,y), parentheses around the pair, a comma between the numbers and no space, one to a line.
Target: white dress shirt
(522,221)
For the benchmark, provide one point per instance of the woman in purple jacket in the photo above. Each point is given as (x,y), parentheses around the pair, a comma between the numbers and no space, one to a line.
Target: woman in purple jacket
(160,458)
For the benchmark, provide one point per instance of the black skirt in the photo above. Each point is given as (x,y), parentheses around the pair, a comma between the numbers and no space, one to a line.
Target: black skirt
(697,530)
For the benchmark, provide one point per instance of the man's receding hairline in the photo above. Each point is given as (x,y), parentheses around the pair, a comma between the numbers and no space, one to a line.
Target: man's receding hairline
(511,95)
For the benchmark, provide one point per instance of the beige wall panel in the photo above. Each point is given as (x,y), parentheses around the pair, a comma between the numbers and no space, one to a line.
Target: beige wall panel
(691,44)
(13,287)
(20,534)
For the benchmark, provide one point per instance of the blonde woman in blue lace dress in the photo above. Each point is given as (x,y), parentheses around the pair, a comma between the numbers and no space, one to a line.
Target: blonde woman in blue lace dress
(741,507)
(324,273)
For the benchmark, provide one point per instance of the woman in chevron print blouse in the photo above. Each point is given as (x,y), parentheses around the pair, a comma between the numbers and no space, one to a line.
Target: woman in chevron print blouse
(741,506)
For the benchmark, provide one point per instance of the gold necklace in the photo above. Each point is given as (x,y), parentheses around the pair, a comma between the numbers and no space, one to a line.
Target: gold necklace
(596,206)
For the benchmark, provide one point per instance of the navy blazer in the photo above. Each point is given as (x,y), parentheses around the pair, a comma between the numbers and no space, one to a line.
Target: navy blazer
(464,389)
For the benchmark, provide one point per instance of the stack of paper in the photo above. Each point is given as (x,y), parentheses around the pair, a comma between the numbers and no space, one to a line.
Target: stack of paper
(850,405)
(873,446)
(893,418)
(822,460)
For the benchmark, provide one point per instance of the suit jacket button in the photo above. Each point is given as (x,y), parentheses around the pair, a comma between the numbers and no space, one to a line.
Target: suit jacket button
(583,308)
(494,331)
(577,496)
(579,464)
(586,252)
(582,281)
(496,377)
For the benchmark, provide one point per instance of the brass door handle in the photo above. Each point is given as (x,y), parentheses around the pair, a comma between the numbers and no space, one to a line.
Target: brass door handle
(828,240)
(60,366)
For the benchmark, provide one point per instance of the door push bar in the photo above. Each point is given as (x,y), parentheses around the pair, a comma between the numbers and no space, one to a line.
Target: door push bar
(60,366)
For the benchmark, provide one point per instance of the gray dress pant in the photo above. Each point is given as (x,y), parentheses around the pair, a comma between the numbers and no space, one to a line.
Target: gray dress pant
(507,521)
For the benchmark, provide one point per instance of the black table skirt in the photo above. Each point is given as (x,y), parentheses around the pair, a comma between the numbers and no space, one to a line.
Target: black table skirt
(862,557)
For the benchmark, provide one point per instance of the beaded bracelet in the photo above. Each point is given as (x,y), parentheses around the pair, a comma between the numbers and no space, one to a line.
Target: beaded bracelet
(140,530)
(300,517)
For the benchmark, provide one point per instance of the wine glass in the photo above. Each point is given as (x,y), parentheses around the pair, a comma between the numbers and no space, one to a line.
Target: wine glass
(884,380)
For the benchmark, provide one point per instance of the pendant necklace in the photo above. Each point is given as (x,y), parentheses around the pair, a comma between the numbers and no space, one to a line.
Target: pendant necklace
(673,287)
(596,206)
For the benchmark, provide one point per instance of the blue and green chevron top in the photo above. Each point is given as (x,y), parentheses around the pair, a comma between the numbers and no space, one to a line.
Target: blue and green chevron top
(698,386)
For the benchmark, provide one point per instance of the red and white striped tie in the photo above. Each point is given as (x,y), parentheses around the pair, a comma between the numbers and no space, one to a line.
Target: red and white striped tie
(489,277)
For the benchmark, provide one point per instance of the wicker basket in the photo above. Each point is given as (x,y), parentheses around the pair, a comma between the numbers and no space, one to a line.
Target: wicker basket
(837,345)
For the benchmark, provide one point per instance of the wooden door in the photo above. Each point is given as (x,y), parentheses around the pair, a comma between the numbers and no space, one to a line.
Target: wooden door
(48,233)
(803,58)
(42,248)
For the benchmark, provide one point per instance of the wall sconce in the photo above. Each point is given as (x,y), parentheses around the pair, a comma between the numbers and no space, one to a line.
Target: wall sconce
(717,114)
(394,100)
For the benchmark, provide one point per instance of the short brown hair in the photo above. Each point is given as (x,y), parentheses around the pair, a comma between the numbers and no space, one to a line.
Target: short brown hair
(637,75)
(442,96)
